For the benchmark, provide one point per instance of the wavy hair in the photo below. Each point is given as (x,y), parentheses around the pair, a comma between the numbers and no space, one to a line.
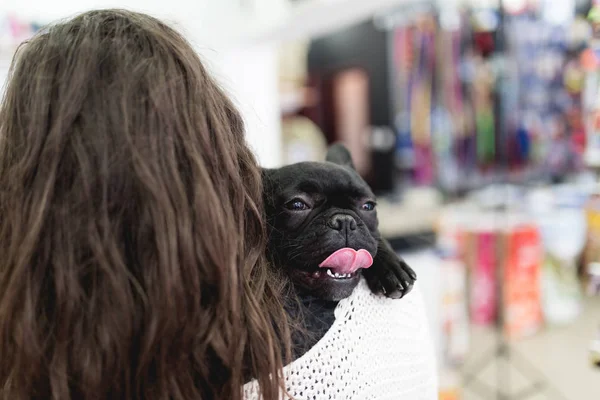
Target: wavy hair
(132,235)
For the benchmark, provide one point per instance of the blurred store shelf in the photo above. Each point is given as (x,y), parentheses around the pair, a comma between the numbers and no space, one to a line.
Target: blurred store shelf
(416,214)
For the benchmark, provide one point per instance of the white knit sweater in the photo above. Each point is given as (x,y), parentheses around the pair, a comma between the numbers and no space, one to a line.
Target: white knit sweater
(376,349)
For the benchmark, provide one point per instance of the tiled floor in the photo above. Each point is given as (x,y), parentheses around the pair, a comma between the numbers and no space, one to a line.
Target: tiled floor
(561,354)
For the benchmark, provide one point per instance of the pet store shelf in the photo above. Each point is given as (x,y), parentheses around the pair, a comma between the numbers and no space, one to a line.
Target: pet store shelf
(417,214)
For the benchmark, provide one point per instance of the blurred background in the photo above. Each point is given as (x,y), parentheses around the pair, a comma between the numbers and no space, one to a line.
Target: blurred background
(478,125)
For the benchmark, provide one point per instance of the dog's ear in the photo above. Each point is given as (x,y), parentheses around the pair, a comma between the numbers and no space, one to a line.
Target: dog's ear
(266,175)
(267,183)
(339,154)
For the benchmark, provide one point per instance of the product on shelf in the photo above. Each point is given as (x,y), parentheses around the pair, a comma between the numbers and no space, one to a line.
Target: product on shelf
(522,265)
(593,280)
(559,213)
(595,351)
(450,385)
(591,257)
(469,110)
(481,256)
(302,140)
(454,309)
(414,62)
(455,327)
(591,99)
(504,253)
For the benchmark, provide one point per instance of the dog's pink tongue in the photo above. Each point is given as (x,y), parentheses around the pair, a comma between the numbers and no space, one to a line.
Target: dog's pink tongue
(348,261)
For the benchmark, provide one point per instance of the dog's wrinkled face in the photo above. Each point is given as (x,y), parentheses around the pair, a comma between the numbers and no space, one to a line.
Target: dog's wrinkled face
(314,210)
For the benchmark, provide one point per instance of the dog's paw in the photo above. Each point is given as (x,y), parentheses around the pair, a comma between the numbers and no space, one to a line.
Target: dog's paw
(394,279)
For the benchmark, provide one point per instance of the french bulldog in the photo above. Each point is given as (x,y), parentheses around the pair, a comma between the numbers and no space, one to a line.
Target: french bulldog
(323,230)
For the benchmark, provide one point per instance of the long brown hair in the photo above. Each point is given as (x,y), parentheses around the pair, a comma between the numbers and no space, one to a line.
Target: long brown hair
(131,229)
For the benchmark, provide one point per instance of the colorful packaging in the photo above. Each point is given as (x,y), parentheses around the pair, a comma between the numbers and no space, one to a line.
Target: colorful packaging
(521,288)
(455,318)
(450,385)
(483,277)
(454,308)
(591,257)
(591,98)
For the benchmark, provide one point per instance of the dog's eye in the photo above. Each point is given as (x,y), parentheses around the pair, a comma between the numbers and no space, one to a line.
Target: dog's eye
(368,206)
(297,205)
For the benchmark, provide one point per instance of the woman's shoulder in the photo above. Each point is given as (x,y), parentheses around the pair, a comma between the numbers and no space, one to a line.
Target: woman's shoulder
(376,348)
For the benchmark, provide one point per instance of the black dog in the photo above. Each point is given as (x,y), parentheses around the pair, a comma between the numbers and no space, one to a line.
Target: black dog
(324,235)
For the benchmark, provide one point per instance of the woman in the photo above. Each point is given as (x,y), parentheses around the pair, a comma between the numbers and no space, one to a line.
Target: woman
(131,237)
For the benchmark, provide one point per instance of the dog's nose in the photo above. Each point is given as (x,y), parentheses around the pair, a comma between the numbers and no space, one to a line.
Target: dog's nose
(341,222)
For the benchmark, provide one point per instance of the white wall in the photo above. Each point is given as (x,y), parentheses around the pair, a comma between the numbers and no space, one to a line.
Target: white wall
(249,74)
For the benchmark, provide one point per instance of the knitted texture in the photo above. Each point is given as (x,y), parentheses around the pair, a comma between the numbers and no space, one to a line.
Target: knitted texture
(377,349)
